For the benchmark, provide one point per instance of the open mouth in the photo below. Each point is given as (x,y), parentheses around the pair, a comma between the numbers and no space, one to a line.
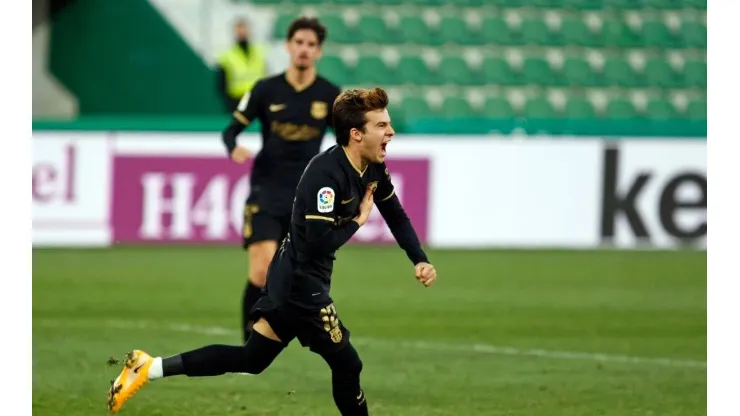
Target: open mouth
(383,147)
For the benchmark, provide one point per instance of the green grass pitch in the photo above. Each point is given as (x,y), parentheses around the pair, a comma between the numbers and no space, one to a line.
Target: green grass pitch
(555,333)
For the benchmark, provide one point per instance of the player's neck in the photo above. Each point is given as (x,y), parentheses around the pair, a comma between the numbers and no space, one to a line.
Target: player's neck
(353,154)
(300,79)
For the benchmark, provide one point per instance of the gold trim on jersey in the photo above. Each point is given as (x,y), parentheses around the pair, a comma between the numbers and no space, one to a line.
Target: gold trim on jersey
(389,196)
(319,217)
(239,116)
(361,172)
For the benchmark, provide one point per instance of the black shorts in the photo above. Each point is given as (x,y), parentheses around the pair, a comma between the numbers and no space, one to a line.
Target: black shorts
(319,330)
(263,226)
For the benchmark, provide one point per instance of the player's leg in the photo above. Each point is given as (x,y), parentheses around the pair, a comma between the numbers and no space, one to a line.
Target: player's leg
(262,347)
(261,235)
(346,367)
(327,336)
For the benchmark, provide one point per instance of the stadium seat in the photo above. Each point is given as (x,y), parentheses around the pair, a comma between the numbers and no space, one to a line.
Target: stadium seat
(333,68)
(280,27)
(414,107)
(495,30)
(664,4)
(659,73)
(655,34)
(694,35)
(456,107)
(624,4)
(697,109)
(578,72)
(306,2)
(618,72)
(696,4)
(620,108)
(579,108)
(372,28)
(498,72)
(266,2)
(497,107)
(617,33)
(695,74)
(339,31)
(537,71)
(539,107)
(583,4)
(426,2)
(382,2)
(454,30)
(574,31)
(414,30)
(371,70)
(413,70)
(660,109)
(454,70)
(468,3)
(535,32)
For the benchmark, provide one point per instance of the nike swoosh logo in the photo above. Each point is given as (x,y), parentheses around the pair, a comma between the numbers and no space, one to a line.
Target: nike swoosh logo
(136,370)
(348,201)
(276,107)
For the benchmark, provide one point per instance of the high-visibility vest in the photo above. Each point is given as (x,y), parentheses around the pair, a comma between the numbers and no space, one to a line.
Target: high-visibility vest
(242,71)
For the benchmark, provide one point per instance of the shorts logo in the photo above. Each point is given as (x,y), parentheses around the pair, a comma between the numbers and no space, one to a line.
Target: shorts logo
(319,110)
(325,199)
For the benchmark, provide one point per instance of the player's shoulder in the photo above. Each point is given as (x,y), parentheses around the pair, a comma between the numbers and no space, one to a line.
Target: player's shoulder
(324,165)
(268,81)
(327,85)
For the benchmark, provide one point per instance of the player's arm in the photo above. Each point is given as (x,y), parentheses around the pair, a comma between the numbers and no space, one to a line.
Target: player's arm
(395,216)
(322,235)
(249,108)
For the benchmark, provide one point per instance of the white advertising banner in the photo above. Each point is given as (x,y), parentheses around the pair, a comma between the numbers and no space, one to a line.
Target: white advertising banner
(460,192)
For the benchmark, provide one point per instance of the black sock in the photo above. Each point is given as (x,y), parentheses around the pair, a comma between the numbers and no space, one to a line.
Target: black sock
(345,381)
(214,360)
(252,294)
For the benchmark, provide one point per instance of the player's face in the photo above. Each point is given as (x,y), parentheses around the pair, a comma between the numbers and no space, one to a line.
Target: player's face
(304,49)
(378,133)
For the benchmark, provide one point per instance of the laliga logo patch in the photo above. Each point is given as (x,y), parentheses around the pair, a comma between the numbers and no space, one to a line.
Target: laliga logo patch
(325,200)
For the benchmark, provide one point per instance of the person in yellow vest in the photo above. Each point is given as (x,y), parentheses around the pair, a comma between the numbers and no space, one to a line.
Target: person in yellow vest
(240,67)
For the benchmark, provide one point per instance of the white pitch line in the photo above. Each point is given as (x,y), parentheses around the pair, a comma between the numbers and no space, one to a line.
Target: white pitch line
(420,345)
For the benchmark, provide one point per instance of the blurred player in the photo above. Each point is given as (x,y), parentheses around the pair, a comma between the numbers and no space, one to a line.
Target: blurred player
(294,109)
(332,201)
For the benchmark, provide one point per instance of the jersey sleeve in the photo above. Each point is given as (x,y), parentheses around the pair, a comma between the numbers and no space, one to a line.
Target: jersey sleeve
(385,188)
(251,105)
(320,193)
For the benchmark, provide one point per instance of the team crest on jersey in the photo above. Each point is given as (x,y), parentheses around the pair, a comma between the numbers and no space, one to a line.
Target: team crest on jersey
(325,200)
(336,335)
(319,110)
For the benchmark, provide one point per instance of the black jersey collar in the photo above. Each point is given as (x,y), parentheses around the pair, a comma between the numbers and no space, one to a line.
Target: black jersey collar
(351,164)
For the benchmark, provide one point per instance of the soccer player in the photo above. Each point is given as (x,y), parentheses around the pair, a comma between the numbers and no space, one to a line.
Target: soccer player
(332,201)
(294,109)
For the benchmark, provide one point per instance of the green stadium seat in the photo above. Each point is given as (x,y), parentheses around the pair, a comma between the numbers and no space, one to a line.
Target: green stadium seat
(659,73)
(544,4)
(537,71)
(694,35)
(425,2)
(620,108)
(372,28)
(696,4)
(414,30)
(618,72)
(574,31)
(456,107)
(578,72)
(497,107)
(415,107)
(280,27)
(579,108)
(266,2)
(347,2)
(664,4)
(495,30)
(539,107)
(455,30)
(697,109)
(655,34)
(660,109)
(454,70)
(625,4)
(497,71)
(413,70)
(468,3)
(583,4)
(338,30)
(334,68)
(617,33)
(371,70)
(510,4)
(383,2)
(535,32)
(306,2)
(695,74)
